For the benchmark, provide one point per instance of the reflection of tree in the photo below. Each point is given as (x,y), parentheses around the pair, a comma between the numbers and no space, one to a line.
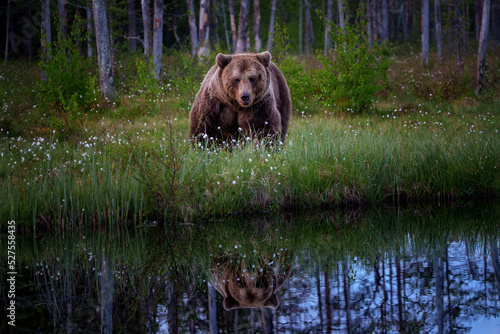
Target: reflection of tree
(496,265)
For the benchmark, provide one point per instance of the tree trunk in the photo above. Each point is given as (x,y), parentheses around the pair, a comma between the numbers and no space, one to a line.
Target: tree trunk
(232,21)
(256,25)
(369,22)
(132,34)
(157,37)
(225,26)
(204,28)
(483,41)
(62,6)
(341,14)
(425,32)
(145,22)
(307,46)
(385,22)
(458,35)
(89,32)
(329,23)
(193,30)
(103,50)
(7,32)
(271,26)
(478,12)
(408,17)
(214,24)
(376,21)
(243,27)
(439,33)
(495,22)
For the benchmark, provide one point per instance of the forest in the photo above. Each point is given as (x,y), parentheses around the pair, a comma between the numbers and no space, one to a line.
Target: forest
(384,94)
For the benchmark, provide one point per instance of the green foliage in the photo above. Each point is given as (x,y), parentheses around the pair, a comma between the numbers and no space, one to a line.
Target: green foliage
(68,87)
(352,75)
(145,83)
(299,80)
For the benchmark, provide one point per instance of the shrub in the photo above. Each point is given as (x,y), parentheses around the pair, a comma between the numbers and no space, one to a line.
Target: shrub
(68,87)
(299,80)
(352,74)
(145,83)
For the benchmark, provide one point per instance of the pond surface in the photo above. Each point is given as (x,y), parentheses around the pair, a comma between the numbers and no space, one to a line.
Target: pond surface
(432,270)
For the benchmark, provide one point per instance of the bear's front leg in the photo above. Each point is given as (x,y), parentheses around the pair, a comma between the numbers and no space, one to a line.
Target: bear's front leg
(263,123)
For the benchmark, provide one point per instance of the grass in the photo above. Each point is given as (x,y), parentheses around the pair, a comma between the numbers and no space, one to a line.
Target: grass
(426,139)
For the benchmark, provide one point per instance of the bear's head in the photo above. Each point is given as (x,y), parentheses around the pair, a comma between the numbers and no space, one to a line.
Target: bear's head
(251,290)
(250,286)
(244,76)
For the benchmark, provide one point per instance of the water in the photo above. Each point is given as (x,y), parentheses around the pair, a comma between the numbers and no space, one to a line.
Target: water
(432,270)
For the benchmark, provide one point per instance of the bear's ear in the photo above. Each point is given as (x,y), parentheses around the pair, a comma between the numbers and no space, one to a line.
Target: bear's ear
(273,302)
(264,58)
(223,60)
(230,303)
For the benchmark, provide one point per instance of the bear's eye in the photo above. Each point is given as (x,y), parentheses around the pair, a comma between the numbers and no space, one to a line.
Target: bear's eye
(236,81)
(252,80)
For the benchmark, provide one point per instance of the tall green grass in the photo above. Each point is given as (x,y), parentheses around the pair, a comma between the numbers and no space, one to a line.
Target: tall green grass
(152,171)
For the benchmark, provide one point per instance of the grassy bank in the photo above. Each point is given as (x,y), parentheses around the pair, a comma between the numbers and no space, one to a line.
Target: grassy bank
(426,139)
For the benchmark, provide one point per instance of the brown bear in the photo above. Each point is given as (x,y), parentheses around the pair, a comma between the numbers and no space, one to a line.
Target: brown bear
(242,93)
(245,286)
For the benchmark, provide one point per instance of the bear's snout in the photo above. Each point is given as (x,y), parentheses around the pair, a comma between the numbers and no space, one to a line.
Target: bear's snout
(245,98)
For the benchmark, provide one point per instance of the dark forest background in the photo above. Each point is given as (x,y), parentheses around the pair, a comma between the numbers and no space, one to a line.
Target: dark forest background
(460,19)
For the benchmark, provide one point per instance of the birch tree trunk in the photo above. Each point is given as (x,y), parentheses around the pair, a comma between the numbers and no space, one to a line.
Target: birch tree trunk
(369,22)
(329,23)
(157,37)
(376,21)
(256,25)
(232,21)
(271,26)
(439,33)
(145,23)
(385,22)
(483,41)
(193,30)
(495,22)
(62,6)
(225,26)
(425,32)
(458,35)
(341,14)
(307,46)
(204,28)
(214,23)
(89,32)
(132,42)
(243,26)
(103,51)
(408,17)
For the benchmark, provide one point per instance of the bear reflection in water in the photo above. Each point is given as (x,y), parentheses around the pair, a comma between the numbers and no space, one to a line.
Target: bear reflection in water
(245,284)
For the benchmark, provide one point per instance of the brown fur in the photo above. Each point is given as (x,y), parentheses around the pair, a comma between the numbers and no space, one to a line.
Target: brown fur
(245,287)
(220,110)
